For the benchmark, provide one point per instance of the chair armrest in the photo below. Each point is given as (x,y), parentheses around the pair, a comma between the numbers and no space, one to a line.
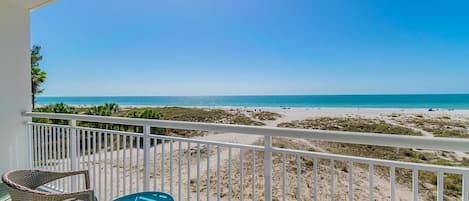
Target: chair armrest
(78,172)
(54,175)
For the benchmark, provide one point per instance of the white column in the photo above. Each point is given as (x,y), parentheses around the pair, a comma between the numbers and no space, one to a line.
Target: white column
(15,80)
(15,86)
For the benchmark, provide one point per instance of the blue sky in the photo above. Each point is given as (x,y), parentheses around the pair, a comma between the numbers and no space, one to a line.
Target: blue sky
(244,47)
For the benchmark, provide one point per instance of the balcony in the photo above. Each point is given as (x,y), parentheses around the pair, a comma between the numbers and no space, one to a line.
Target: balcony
(194,169)
(198,169)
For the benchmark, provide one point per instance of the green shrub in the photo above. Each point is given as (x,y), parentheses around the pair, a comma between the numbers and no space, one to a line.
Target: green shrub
(107,109)
(54,108)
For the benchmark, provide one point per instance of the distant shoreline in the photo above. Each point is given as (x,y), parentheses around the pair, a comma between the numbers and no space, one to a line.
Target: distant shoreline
(275,108)
(421,94)
(407,101)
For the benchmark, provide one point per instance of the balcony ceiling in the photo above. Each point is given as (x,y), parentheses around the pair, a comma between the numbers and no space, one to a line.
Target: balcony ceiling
(34,4)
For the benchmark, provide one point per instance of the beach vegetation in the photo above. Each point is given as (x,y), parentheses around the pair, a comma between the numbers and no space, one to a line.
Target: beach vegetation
(193,115)
(395,115)
(351,124)
(442,126)
(200,115)
(146,114)
(266,115)
(241,119)
(427,179)
(445,117)
(54,108)
(106,109)
(38,76)
(166,113)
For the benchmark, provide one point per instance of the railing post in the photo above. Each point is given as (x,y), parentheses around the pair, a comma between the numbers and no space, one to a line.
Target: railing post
(146,157)
(465,187)
(30,144)
(268,168)
(73,151)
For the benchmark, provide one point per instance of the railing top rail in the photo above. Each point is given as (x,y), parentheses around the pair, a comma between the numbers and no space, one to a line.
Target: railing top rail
(447,144)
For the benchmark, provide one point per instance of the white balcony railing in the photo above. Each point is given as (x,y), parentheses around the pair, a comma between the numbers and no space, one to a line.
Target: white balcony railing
(192,169)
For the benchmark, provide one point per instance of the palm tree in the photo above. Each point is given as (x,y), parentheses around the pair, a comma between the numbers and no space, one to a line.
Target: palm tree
(37,75)
(108,109)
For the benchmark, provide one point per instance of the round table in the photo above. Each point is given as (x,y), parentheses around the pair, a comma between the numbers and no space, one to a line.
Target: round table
(146,196)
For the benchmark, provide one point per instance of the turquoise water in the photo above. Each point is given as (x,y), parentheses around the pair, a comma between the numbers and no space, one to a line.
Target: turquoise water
(443,101)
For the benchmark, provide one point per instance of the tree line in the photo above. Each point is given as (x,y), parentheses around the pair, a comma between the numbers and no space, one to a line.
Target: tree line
(106,109)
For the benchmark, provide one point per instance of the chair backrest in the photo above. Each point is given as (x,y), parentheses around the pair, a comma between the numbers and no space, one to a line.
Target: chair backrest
(25,179)
(21,184)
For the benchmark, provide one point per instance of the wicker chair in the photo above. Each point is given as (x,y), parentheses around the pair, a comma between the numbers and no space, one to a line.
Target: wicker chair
(22,186)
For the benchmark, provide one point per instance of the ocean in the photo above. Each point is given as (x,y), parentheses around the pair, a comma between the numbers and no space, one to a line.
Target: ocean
(440,101)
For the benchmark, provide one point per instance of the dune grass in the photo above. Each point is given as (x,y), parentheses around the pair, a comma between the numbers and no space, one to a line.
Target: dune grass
(351,124)
(442,126)
(265,115)
(199,115)
(427,179)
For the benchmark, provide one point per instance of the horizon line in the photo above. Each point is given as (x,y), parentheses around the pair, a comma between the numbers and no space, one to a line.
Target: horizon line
(351,94)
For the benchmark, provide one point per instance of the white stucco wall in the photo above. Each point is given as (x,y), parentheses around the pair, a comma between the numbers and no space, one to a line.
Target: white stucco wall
(15,86)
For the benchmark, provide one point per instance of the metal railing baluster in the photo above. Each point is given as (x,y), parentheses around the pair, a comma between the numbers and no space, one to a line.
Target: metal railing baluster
(146,157)
(350,181)
(392,178)
(415,184)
